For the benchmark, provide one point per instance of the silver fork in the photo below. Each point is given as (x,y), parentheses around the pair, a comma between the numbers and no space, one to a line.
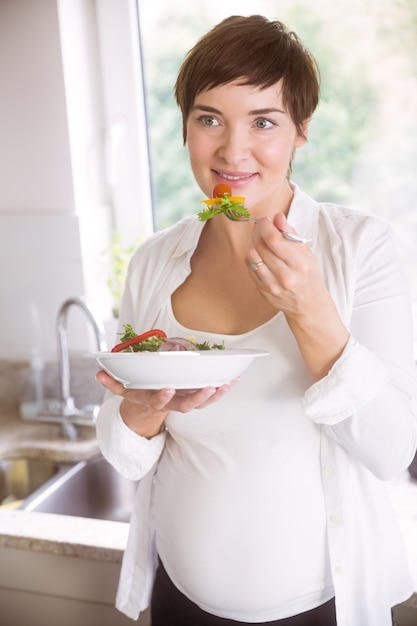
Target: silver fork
(235,217)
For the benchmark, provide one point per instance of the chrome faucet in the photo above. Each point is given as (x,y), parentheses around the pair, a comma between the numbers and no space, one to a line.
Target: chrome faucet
(68,406)
(65,410)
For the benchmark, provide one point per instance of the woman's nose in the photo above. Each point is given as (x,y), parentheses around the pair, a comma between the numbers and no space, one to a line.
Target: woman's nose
(234,147)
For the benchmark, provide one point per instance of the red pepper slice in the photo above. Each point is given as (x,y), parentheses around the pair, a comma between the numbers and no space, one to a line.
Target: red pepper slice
(155,332)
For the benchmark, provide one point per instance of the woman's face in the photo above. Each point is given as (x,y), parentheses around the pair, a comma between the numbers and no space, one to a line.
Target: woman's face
(242,136)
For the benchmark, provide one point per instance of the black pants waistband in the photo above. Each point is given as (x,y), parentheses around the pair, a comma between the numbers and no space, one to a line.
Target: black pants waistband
(169,607)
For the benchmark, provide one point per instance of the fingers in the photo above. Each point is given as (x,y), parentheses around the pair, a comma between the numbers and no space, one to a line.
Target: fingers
(289,273)
(147,399)
(271,248)
(110,383)
(219,393)
(159,400)
(167,399)
(194,400)
(187,400)
(280,221)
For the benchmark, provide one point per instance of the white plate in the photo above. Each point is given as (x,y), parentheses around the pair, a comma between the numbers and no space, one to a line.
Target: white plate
(181,370)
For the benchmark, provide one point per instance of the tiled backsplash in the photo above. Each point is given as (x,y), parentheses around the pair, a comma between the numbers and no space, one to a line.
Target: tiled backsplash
(14,376)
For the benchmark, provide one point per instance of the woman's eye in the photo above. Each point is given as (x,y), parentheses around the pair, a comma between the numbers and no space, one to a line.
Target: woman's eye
(263,123)
(208,120)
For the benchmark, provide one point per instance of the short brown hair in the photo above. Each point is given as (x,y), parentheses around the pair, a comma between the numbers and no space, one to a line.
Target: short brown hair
(259,51)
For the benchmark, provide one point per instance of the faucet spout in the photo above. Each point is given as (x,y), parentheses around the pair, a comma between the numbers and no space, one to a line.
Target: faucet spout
(68,407)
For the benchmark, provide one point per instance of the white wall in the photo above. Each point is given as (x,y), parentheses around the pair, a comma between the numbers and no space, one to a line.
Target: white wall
(40,256)
(35,161)
(69,78)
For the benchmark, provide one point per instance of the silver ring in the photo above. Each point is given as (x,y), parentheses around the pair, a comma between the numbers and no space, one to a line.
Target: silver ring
(256,266)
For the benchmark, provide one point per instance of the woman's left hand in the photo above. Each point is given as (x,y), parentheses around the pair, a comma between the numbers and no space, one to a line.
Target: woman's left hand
(290,279)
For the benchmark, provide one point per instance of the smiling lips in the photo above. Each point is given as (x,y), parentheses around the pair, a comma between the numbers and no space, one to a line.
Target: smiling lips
(237,180)
(236,177)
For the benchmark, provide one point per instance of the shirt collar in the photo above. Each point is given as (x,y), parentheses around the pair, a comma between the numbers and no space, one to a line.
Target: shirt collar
(303,215)
(190,231)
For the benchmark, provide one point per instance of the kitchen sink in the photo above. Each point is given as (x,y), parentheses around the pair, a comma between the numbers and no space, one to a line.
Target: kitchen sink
(89,488)
(21,477)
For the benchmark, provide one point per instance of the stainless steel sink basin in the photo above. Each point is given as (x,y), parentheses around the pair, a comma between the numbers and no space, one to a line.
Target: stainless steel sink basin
(88,489)
(21,477)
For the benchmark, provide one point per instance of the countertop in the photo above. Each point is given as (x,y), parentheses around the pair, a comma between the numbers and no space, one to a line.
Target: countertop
(45,532)
(63,535)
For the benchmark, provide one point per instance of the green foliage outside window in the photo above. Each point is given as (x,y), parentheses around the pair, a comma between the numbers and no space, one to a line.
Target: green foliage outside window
(117,260)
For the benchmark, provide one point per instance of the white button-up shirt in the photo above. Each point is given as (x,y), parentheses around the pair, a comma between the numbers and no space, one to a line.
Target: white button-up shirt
(366,407)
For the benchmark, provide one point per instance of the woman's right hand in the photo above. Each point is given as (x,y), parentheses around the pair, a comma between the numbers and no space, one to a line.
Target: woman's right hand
(144,410)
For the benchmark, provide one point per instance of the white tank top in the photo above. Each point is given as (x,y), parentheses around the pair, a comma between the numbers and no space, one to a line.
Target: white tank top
(238,503)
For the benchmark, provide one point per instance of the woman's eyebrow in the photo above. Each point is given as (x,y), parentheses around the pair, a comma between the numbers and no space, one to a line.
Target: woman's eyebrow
(266,111)
(206,108)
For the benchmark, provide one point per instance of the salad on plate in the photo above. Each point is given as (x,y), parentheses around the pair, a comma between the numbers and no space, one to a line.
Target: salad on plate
(156,340)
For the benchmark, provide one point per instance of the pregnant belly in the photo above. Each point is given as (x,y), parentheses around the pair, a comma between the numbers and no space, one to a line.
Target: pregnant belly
(240,544)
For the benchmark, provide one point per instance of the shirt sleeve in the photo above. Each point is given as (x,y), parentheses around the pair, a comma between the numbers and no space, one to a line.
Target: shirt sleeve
(348,386)
(368,400)
(130,454)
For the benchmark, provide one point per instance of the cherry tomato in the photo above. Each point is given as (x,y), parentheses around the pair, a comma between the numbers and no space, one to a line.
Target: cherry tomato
(220,189)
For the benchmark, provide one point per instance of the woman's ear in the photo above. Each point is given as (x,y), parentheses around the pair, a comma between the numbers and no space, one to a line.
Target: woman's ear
(302,137)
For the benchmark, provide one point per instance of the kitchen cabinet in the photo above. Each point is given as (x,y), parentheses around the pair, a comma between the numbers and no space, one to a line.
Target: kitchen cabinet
(41,589)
